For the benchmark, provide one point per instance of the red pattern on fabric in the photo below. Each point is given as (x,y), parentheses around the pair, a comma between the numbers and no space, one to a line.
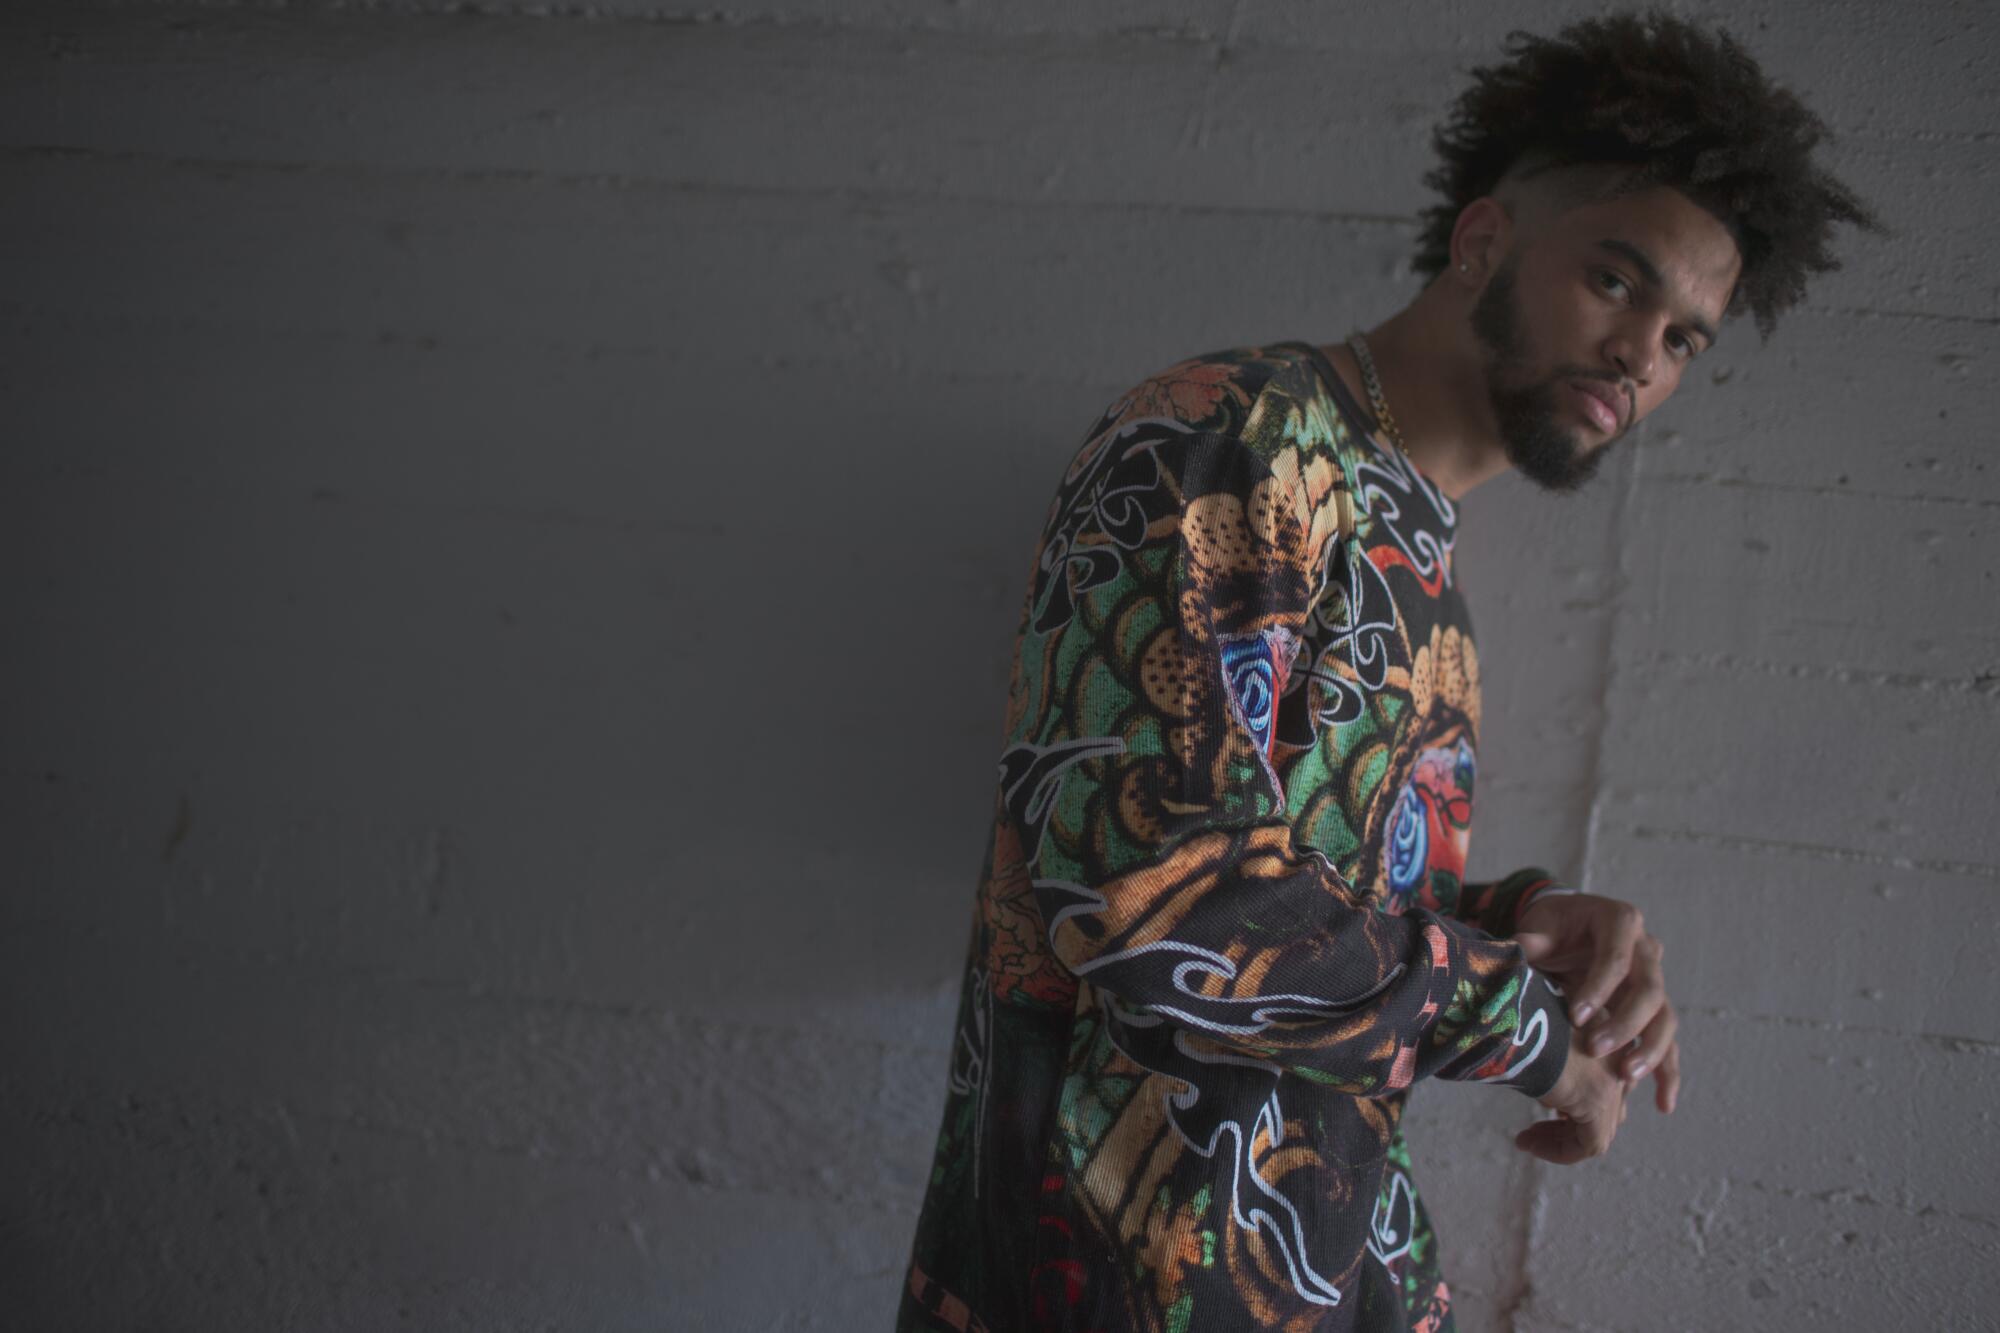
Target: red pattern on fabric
(1386,558)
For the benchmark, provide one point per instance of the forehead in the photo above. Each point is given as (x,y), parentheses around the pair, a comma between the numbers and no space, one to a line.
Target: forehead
(1693,252)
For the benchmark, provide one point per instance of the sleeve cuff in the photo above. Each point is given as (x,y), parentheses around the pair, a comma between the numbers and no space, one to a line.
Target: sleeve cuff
(1546,888)
(1547,1028)
(1500,908)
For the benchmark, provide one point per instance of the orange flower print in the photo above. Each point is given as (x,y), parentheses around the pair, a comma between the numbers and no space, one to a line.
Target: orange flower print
(1188,392)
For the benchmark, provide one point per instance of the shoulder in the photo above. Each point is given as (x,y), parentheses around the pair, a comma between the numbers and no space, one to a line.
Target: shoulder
(1273,403)
(1214,392)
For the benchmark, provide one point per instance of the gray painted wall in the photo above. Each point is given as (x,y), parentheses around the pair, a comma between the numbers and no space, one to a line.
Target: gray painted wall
(514,519)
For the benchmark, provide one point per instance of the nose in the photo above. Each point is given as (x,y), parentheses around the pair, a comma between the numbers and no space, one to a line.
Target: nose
(1634,357)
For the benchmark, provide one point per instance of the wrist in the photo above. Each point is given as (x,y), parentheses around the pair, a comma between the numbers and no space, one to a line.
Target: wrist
(1536,894)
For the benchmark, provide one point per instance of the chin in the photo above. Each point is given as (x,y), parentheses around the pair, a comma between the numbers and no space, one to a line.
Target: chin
(1554,459)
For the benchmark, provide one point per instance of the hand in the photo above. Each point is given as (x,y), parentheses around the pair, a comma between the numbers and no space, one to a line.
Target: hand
(1599,950)
(1589,1102)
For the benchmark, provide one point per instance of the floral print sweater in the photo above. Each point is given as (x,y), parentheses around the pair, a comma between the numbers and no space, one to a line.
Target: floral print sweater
(1222,927)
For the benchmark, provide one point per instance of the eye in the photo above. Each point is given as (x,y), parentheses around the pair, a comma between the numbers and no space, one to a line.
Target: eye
(1687,347)
(1604,276)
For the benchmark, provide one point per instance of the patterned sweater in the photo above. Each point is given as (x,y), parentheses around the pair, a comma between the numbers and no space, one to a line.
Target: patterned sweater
(1222,926)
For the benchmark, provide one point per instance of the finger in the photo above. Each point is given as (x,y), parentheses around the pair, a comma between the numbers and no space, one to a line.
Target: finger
(1553,1141)
(1651,1044)
(1613,961)
(1555,957)
(1667,1083)
(1574,1137)
(1636,1003)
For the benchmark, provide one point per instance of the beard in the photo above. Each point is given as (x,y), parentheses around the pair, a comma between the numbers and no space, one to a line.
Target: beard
(1529,413)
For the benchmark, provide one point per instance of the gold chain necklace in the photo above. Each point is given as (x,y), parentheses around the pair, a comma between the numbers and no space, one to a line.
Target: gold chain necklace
(1375,399)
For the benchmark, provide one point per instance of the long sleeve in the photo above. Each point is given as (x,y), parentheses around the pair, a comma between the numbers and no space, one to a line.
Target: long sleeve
(1495,906)
(1140,782)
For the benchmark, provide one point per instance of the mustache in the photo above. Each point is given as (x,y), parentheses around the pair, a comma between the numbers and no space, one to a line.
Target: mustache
(1619,385)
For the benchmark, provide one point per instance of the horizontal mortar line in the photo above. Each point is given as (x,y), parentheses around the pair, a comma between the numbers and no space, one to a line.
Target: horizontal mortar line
(1872,312)
(1180,34)
(1984,684)
(615,1167)
(1862,1197)
(1962,1045)
(564,10)
(547,516)
(1918,135)
(1543,1319)
(1810,1269)
(301,970)
(857,194)
(1801,488)
(705,1027)
(1669,1177)
(892,365)
(612,180)
(1811,851)
(1489,780)
(1919,1248)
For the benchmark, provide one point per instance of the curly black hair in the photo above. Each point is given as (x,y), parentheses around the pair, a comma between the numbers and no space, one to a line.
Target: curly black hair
(1662,103)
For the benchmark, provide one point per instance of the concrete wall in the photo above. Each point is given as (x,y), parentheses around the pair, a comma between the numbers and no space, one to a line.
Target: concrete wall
(514,515)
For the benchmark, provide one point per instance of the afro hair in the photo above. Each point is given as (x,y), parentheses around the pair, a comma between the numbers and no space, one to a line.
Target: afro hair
(1663,103)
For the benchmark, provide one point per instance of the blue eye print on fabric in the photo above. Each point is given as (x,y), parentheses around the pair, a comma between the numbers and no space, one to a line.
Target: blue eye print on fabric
(1409,843)
(1253,684)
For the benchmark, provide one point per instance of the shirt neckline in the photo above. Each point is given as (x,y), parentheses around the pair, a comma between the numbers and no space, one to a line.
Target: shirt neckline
(1363,421)
(1358,414)
(1360,417)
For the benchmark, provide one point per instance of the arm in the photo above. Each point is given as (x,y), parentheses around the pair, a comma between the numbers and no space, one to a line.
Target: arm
(1495,906)
(1606,961)
(1610,965)
(1156,833)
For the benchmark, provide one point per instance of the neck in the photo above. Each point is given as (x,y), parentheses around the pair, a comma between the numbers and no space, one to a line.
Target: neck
(1434,380)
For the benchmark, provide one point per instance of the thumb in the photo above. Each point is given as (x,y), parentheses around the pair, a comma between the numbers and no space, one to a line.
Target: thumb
(1553,1141)
(1535,947)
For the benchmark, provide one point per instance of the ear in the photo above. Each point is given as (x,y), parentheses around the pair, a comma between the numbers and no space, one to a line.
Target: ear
(1479,239)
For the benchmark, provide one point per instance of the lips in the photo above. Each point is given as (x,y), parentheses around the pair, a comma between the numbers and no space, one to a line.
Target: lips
(1599,405)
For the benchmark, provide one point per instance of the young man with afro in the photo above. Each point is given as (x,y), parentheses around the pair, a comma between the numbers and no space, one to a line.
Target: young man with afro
(1223,927)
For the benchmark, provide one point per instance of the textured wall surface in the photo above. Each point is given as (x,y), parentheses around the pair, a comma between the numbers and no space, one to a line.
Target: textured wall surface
(514,515)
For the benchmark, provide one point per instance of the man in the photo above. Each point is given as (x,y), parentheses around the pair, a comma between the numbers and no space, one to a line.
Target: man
(1223,927)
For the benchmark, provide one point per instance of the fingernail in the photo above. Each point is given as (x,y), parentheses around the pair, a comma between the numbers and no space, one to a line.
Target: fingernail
(1600,1046)
(1638,1071)
(1583,1013)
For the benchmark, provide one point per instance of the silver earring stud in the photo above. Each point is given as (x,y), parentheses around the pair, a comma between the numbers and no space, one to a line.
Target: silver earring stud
(1461,268)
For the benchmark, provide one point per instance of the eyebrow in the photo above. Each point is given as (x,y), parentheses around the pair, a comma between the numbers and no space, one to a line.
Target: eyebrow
(1651,273)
